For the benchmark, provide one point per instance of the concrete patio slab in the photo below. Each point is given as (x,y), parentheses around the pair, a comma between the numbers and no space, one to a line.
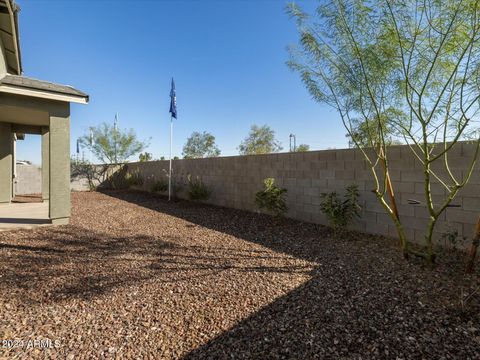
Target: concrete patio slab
(23,215)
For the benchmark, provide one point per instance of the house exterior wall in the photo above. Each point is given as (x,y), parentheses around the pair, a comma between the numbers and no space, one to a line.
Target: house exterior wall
(45,163)
(6,162)
(235,180)
(59,166)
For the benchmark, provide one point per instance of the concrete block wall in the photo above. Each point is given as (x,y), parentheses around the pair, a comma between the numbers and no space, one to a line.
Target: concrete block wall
(235,180)
(28,180)
(79,182)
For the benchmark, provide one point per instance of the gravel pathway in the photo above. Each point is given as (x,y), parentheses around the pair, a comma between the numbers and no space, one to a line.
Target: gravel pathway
(134,276)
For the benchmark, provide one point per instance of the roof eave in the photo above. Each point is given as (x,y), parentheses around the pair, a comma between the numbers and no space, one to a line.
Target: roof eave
(16,90)
(13,12)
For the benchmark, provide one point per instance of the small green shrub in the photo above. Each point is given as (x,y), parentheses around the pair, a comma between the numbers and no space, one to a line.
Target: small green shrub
(178,183)
(196,189)
(340,211)
(160,186)
(272,198)
(452,238)
(133,179)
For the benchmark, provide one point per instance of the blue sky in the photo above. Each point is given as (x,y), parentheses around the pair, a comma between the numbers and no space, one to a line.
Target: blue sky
(227,58)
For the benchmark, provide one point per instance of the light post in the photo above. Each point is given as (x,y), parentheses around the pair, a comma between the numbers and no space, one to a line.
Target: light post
(294,142)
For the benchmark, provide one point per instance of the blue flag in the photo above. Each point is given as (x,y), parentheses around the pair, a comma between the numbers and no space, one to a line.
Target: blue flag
(78,146)
(173,101)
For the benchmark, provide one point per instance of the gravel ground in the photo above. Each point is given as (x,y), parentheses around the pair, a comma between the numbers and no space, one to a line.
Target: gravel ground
(134,276)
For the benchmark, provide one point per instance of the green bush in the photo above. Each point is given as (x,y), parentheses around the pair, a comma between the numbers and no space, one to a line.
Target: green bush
(272,198)
(340,211)
(160,186)
(196,189)
(178,183)
(451,237)
(133,179)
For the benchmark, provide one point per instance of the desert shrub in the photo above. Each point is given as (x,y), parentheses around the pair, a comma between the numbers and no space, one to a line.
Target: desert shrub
(160,186)
(133,179)
(339,210)
(197,190)
(178,182)
(102,176)
(177,186)
(451,238)
(271,198)
(80,169)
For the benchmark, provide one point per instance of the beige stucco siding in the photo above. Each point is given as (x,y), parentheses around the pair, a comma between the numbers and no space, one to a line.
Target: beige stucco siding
(59,167)
(45,163)
(6,160)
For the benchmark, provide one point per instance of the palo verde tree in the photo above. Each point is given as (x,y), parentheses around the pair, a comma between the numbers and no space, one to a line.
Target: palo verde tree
(145,156)
(200,145)
(366,134)
(302,148)
(409,66)
(112,145)
(260,140)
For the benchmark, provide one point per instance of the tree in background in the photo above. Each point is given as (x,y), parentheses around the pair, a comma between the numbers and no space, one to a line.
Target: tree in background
(200,145)
(146,156)
(260,140)
(412,66)
(112,145)
(302,148)
(367,133)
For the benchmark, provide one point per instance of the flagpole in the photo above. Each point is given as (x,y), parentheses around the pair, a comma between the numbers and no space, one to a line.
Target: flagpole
(173,114)
(170,170)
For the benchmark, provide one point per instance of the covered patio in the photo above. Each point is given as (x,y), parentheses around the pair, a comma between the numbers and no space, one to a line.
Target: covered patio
(27,107)
(31,106)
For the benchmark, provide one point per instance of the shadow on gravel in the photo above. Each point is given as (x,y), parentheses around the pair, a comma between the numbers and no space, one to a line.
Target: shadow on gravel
(311,322)
(71,262)
(75,262)
(361,301)
(30,248)
(284,235)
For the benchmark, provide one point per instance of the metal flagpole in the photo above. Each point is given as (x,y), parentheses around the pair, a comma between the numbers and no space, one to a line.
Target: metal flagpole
(170,169)
(173,114)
